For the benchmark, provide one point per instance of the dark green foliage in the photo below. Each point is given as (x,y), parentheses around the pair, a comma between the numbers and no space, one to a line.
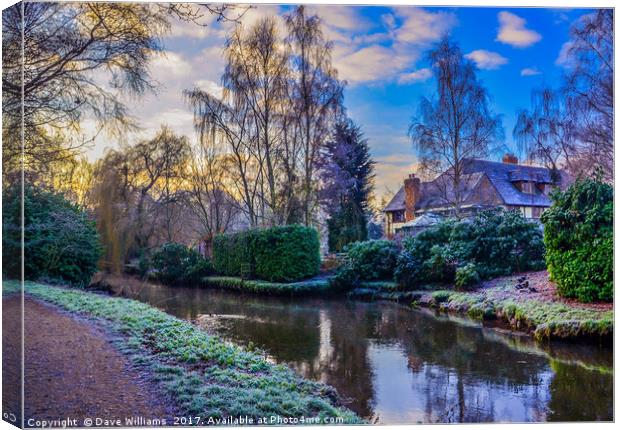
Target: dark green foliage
(372,260)
(60,240)
(466,276)
(174,263)
(277,254)
(347,171)
(579,240)
(303,288)
(496,242)
(345,226)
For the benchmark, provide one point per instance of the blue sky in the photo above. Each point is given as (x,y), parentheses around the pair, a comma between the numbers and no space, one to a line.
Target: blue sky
(379,51)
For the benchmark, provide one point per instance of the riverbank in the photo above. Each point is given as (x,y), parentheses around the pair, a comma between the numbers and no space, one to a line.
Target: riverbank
(204,375)
(525,302)
(69,366)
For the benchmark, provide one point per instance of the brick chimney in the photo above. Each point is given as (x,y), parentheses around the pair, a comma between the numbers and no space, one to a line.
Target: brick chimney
(510,159)
(412,195)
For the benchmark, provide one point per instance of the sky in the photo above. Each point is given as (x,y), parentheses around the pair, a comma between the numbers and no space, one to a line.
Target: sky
(380,52)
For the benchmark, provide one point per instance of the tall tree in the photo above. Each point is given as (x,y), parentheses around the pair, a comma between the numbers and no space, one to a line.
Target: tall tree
(316,96)
(281,98)
(589,88)
(136,195)
(456,124)
(347,173)
(571,126)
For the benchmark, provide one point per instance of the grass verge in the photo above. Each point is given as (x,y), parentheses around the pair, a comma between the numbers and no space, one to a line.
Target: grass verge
(545,320)
(204,375)
(309,287)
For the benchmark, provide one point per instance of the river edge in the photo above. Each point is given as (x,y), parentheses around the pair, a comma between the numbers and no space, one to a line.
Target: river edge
(524,303)
(205,376)
(512,303)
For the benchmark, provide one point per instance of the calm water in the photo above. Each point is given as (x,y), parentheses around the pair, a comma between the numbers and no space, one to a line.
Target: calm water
(396,365)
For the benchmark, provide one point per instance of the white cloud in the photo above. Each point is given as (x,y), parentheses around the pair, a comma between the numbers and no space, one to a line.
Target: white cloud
(416,76)
(210,87)
(170,65)
(395,46)
(564,58)
(371,63)
(512,31)
(420,26)
(486,60)
(530,71)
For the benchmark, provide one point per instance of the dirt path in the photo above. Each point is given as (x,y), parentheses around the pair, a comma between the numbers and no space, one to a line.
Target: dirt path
(72,370)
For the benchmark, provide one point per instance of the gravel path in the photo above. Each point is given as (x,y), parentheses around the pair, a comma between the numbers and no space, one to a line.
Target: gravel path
(72,370)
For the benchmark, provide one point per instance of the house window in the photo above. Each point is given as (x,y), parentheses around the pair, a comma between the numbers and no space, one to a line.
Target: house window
(398,216)
(527,211)
(528,187)
(537,212)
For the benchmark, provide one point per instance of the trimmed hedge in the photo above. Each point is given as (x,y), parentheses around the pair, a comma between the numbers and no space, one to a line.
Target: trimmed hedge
(310,287)
(277,254)
(579,241)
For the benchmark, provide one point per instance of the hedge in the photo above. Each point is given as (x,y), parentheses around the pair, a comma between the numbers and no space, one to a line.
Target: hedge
(303,288)
(277,254)
(579,241)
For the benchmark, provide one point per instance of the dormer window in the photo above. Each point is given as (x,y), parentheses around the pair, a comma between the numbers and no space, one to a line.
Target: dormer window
(528,187)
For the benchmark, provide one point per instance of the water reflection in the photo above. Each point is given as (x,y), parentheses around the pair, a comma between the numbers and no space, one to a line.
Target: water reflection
(395,365)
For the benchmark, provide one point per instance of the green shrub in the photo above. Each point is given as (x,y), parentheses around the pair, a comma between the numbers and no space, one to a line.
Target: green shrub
(496,242)
(175,263)
(466,276)
(579,240)
(278,254)
(371,260)
(60,239)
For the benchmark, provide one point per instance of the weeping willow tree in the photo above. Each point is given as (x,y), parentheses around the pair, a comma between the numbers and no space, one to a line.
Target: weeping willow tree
(135,195)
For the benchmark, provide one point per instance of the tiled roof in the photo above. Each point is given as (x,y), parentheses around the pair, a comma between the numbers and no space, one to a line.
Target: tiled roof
(501,175)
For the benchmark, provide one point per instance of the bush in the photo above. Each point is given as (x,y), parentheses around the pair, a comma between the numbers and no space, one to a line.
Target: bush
(175,263)
(278,254)
(371,260)
(466,276)
(495,242)
(579,240)
(60,240)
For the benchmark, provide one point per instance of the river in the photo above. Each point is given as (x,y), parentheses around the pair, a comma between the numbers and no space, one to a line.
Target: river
(395,365)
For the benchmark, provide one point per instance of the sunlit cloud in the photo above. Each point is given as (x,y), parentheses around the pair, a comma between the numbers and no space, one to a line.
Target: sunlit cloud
(487,60)
(417,76)
(512,31)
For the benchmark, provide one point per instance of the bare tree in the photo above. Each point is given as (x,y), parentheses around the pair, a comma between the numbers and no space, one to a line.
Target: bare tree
(249,117)
(316,96)
(572,127)
(546,132)
(208,195)
(589,89)
(77,60)
(456,125)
